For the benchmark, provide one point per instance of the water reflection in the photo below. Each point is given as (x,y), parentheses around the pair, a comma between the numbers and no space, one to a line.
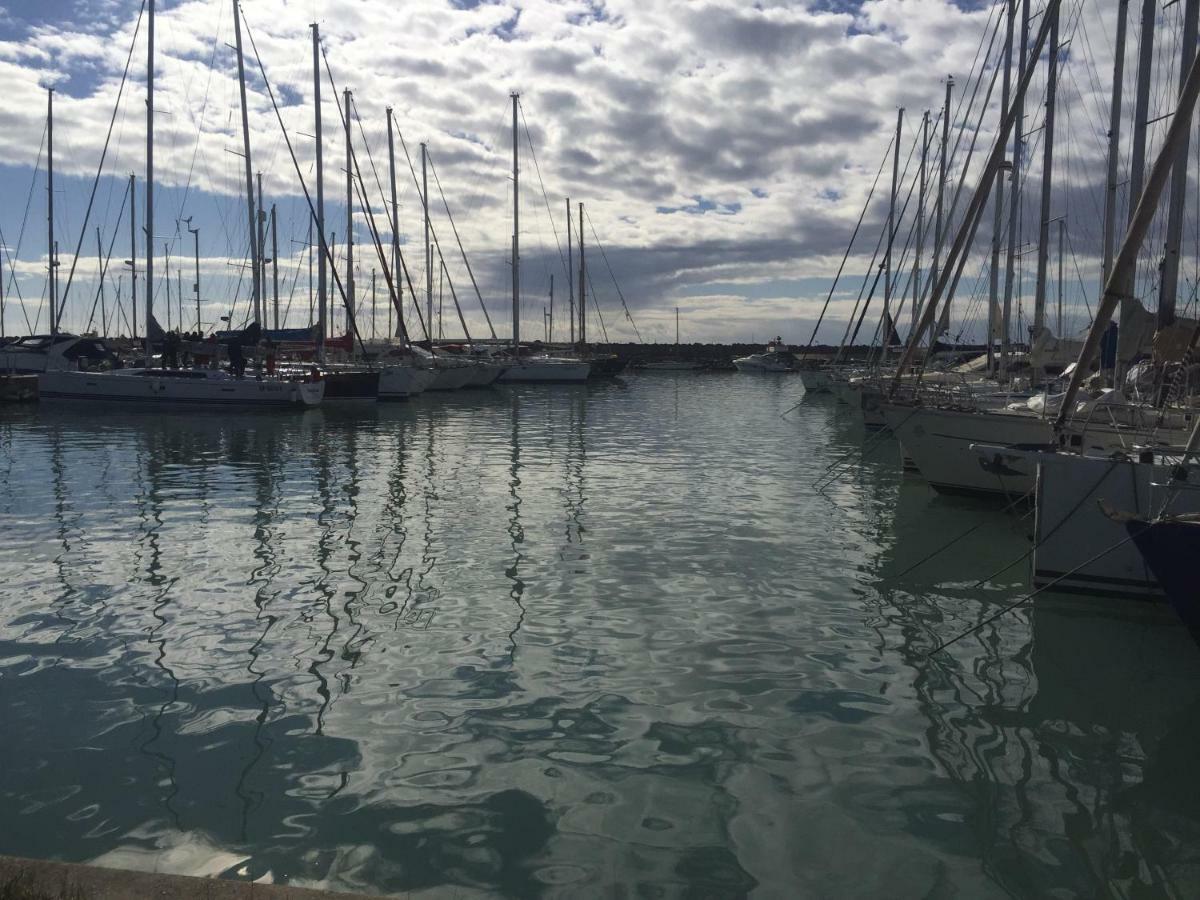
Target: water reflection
(596,639)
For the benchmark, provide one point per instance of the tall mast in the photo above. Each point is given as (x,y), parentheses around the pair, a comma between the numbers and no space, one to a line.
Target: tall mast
(939,227)
(195,232)
(322,298)
(677,326)
(260,219)
(428,248)
(916,279)
(372,303)
(1114,143)
(1170,272)
(51,256)
(550,325)
(395,233)
(1144,211)
(350,307)
(516,240)
(998,201)
(132,261)
(150,171)
(582,283)
(100,267)
(1043,253)
(274,263)
(1062,223)
(891,235)
(570,273)
(1014,191)
(254,259)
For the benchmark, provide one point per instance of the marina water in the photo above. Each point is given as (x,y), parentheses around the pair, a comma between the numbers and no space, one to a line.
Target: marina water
(604,640)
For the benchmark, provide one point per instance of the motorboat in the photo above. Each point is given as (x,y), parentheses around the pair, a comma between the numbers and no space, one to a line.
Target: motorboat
(776,358)
(180,387)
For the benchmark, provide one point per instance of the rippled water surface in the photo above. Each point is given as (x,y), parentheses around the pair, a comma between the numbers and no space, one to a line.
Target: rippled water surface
(601,641)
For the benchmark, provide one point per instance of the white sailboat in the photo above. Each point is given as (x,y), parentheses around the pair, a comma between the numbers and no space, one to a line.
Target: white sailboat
(533,369)
(183,387)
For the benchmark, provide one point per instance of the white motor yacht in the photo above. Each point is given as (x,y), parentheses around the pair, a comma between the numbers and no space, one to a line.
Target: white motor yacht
(776,358)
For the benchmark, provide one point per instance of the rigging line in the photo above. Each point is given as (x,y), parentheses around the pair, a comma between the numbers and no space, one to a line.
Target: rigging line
(389,276)
(361,191)
(304,187)
(850,246)
(105,262)
(432,231)
(1045,587)
(199,122)
(545,199)
(62,303)
(613,276)
(596,304)
(453,294)
(454,227)
(21,236)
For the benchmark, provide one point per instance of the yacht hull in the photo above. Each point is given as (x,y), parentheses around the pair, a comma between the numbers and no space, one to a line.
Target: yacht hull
(938,442)
(135,389)
(403,382)
(1077,547)
(546,371)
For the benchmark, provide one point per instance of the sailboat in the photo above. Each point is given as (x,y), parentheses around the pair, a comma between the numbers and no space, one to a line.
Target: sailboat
(524,366)
(179,387)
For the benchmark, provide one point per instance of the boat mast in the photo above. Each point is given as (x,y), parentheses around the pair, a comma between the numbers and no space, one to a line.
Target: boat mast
(677,326)
(52,282)
(254,260)
(570,273)
(260,218)
(322,298)
(428,248)
(274,267)
(350,307)
(395,234)
(1014,193)
(1139,225)
(516,241)
(940,227)
(582,283)
(1062,222)
(916,279)
(1043,253)
(1114,143)
(195,232)
(100,268)
(132,261)
(972,216)
(150,171)
(891,236)
(998,201)
(1169,285)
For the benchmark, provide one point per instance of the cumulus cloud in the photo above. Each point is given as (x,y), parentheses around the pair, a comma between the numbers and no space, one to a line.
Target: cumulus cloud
(764,123)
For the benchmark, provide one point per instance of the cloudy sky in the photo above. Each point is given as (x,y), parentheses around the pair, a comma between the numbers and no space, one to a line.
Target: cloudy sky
(723,149)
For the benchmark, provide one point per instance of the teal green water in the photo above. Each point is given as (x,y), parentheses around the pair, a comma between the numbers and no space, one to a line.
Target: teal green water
(586,642)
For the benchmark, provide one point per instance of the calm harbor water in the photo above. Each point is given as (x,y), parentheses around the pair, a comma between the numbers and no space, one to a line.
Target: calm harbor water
(594,641)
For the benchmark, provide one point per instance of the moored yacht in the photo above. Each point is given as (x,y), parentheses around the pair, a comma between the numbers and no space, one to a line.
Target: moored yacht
(776,358)
(179,387)
(52,353)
